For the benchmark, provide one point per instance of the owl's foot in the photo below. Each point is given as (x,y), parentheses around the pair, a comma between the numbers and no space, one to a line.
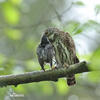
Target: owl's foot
(54,67)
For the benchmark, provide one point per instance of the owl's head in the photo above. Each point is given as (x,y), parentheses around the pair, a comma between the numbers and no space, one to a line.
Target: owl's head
(51,33)
(44,40)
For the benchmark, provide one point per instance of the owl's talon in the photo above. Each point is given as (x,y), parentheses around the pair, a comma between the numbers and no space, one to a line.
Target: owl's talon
(53,68)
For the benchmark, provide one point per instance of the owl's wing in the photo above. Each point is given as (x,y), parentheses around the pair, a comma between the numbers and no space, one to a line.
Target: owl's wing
(70,46)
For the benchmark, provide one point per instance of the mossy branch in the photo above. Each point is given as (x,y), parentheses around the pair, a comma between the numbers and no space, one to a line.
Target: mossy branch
(37,76)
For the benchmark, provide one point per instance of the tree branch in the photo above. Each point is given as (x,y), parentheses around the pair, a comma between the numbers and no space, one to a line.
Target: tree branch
(37,76)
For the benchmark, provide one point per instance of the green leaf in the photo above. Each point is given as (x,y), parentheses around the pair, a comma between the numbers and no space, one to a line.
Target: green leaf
(86,57)
(73,27)
(95,60)
(70,26)
(79,3)
(90,24)
(13,34)
(20,89)
(78,30)
(62,87)
(16,2)
(97,9)
(47,88)
(11,14)
(94,76)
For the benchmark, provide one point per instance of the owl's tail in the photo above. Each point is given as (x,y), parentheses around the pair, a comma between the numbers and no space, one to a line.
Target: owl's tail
(71,80)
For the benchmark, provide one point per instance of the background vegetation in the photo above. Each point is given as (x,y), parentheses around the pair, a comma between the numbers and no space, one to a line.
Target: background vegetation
(22,23)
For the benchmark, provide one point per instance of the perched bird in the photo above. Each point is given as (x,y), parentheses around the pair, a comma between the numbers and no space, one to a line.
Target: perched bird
(64,47)
(45,52)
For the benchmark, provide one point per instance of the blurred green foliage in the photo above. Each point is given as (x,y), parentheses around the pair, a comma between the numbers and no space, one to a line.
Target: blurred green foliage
(11,13)
(95,60)
(22,23)
(79,3)
(97,9)
(61,87)
(13,34)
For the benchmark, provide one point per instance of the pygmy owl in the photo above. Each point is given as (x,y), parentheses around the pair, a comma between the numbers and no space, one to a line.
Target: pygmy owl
(45,52)
(64,48)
